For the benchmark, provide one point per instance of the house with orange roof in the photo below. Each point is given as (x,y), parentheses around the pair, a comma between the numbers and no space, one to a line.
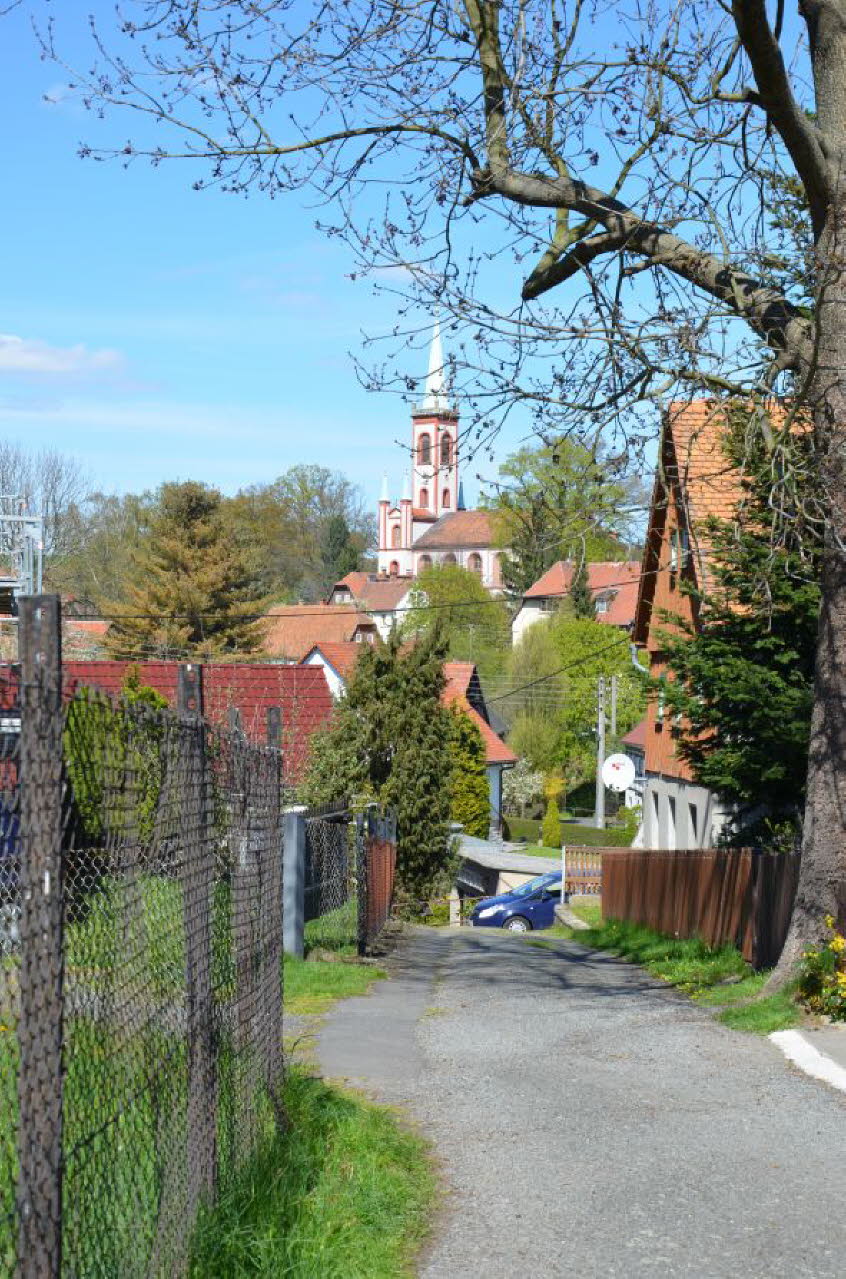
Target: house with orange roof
(336,660)
(292,630)
(695,484)
(384,598)
(613,585)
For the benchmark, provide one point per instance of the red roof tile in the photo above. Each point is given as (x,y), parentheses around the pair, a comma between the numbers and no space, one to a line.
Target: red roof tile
(378,594)
(341,657)
(616,578)
(637,736)
(292,629)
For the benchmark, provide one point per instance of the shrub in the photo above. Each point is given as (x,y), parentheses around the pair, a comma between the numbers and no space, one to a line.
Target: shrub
(551,828)
(822,981)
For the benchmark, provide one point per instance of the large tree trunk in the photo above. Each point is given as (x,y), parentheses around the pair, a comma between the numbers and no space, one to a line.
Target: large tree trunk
(822,880)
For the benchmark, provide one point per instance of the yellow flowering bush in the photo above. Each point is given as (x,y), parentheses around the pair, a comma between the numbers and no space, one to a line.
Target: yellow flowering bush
(822,982)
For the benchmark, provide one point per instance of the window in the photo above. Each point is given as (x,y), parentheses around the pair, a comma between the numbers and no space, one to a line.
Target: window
(601,604)
(394,569)
(674,551)
(446,450)
(425,562)
(445,499)
(692,826)
(424,450)
(395,535)
(474,563)
(424,499)
(449,558)
(671,822)
(659,706)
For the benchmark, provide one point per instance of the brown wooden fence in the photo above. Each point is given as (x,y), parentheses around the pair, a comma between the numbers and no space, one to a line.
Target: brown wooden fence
(720,895)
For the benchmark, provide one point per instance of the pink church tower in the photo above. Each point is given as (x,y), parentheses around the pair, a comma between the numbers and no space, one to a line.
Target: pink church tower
(434,440)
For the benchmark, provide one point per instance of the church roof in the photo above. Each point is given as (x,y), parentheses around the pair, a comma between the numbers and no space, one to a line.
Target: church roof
(458,530)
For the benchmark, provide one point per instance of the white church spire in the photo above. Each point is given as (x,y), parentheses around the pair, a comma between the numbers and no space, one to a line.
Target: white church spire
(435,399)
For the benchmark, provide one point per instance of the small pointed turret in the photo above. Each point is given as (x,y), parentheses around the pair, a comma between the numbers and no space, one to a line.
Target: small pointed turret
(459,506)
(385,497)
(406,490)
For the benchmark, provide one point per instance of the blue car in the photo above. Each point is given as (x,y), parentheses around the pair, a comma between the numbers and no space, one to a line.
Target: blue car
(523,909)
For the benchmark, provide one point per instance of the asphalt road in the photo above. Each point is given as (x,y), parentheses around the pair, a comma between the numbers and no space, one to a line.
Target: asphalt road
(590,1122)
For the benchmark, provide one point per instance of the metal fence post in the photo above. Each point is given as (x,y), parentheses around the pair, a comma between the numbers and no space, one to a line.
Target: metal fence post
(361,882)
(197,879)
(39,1192)
(293,881)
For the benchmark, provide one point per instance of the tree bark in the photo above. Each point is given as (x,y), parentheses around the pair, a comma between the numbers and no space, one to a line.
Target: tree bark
(822,881)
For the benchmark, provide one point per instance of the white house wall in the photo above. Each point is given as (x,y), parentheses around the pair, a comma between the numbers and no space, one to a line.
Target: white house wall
(680,815)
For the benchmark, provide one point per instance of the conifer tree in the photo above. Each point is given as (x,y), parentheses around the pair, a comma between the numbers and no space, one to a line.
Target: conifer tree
(388,742)
(581,596)
(551,826)
(469,791)
(190,584)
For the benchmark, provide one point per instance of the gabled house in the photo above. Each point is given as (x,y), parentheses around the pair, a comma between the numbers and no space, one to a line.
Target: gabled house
(613,585)
(291,630)
(384,599)
(336,661)
(695,483)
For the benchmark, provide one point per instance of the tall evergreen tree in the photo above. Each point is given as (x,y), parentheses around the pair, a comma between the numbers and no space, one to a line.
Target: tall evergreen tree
(189,591)
(469,791)
(581,596)
(340,552)
(743,681)
(387,743)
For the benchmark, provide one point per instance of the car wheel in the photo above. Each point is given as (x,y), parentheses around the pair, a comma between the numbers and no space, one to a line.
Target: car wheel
(517,924)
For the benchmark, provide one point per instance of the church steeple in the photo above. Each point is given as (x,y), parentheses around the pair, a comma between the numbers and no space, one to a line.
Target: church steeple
(434,440)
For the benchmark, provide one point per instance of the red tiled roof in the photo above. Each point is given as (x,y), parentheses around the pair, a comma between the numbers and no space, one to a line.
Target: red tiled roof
(458,676)
(341,657)
(637,736)
(378,594)
(496,752)
(458,530)
(618,578)
(292,629)
(423,513)
(300,692)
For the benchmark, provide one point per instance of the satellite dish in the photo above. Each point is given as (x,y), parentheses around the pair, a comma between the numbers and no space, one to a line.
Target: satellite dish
(618,773)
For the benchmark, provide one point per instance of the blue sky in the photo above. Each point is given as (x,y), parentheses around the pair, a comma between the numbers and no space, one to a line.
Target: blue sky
(154,332)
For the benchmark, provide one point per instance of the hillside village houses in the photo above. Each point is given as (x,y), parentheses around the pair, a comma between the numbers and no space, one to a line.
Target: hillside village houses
(613,585)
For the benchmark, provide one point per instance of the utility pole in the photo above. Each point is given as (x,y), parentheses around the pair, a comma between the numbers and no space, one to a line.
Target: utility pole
(614,708)
(599,808)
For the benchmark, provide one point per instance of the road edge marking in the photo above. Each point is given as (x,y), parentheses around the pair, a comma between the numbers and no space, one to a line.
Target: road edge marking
(809,1059)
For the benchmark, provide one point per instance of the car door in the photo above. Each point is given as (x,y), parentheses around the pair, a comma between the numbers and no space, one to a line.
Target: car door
(544,914)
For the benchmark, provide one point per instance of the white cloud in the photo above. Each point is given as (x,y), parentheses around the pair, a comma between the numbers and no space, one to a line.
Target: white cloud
(34,357)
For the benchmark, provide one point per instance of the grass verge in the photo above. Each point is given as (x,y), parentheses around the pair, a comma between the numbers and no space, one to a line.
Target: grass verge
(345,1193)
(312,986)
(717,977)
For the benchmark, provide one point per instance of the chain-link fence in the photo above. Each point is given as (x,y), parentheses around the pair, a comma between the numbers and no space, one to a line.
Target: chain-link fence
(140,977)
(331,913)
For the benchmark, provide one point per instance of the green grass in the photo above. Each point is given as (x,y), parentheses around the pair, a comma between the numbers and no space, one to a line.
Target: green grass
(336,930)
(588,909)
(345,1193)
(313,986)
(572,833)
(717,977)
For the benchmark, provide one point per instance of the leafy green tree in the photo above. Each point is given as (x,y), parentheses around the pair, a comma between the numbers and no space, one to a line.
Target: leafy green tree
(558,502)
(386,743)
(474,625)
(742,682)
(551,826)
(581,596)
(553,674)
(470,801)
(190,589)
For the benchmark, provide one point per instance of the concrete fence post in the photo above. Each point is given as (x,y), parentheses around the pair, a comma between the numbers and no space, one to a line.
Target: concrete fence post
(293,880)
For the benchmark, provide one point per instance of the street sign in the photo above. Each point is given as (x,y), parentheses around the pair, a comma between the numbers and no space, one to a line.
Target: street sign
(618,772)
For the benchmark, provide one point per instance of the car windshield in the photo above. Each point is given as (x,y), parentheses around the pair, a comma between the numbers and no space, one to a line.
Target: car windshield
(542,881)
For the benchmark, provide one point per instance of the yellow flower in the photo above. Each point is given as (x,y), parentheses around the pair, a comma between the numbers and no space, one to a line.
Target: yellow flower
(837,943)
(829,921)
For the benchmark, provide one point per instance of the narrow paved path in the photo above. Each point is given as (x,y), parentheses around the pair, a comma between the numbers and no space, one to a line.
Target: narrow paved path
(591,1122)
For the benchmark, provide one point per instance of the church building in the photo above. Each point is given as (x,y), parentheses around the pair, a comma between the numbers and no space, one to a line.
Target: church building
(430,525)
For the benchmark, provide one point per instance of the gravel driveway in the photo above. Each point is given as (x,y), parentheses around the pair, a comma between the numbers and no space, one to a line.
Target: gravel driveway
(591,1122)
